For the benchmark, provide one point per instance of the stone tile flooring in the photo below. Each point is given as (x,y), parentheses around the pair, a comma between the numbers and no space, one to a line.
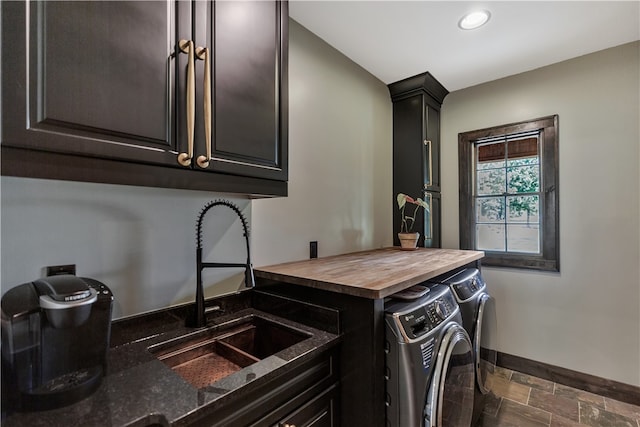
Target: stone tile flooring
(520,400)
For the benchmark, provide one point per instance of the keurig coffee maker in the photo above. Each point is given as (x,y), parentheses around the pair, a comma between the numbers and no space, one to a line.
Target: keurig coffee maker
(55,337)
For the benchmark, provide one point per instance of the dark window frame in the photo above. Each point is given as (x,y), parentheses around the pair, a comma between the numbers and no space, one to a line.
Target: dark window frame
(549,259)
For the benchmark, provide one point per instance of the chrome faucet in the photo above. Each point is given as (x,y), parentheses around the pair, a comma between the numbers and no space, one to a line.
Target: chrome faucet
(197,317)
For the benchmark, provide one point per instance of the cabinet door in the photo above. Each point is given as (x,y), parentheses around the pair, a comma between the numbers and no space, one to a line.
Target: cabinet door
(318,412)
(92,78)
(248,45)
(431,153)
(432,223)
(416,162)
(411,154)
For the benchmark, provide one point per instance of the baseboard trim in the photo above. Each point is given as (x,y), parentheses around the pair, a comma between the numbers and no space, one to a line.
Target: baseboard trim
(602,386)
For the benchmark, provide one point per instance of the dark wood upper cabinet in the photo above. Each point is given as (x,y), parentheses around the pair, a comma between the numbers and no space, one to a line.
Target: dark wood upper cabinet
(104,83)
(249,72)
(416,151)
(91,78)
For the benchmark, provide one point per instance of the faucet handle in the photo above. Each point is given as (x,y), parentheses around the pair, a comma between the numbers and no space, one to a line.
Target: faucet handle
(249,278)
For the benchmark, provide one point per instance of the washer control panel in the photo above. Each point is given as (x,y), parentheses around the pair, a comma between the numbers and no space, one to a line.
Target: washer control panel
(439,310)
(421,320)
(466,284)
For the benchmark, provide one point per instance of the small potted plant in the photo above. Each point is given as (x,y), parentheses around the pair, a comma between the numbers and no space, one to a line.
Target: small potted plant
(409,238)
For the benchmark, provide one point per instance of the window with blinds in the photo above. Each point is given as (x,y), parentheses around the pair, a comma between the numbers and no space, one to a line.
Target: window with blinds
(508,194)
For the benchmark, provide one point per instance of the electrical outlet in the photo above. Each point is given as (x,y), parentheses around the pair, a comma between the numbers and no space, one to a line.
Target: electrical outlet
(55,270)
(313,249)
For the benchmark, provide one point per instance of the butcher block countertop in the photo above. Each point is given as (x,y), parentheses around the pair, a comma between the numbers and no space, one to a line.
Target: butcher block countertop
(371,274)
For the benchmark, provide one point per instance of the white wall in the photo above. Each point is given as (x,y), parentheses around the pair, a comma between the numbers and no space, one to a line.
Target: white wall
(340,148)
(586,317)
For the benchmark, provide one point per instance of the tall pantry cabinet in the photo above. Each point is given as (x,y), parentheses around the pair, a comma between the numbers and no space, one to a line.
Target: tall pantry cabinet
(416,152)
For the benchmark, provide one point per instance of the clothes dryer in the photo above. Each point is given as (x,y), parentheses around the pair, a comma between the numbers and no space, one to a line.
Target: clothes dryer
(429,371)
(479,320)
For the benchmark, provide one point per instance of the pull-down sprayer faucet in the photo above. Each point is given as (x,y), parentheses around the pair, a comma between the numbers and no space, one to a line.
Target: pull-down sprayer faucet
(197,317)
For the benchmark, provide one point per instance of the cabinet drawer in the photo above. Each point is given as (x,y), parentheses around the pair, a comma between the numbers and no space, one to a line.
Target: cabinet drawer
(266,405)
(321,411)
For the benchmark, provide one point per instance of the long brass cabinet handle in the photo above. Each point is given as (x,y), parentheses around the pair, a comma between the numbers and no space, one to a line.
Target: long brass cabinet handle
(186,46)
(203,53)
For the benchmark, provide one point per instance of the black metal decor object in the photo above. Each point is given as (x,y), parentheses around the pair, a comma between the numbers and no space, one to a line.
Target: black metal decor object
(197,318)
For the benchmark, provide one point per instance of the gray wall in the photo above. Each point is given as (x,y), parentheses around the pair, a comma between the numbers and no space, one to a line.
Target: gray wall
(340,135)
(139,241)
(586,317)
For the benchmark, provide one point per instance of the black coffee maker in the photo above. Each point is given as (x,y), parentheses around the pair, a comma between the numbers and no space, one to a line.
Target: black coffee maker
(55,337)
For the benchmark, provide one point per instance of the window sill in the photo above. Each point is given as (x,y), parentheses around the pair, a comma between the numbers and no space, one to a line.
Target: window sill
(521,262)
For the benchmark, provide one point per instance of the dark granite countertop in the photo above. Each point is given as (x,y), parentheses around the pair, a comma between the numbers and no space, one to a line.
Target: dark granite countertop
(140,390)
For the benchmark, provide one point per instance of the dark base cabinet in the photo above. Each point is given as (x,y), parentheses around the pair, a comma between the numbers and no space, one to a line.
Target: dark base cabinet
(361,361)
(321,411)
(307,395)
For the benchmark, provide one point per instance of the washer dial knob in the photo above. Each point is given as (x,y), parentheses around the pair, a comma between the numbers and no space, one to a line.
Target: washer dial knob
(441,310)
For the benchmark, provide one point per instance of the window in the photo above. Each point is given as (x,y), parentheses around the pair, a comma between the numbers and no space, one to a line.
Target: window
(508,194)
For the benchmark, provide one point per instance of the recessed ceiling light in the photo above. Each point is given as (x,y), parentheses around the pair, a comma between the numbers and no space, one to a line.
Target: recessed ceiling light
(473,20)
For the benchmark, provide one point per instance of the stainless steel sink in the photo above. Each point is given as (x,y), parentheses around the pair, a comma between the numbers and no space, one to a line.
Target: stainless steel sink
(209,355)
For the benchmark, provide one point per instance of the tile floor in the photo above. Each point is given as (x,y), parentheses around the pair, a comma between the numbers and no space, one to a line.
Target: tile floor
(520,400)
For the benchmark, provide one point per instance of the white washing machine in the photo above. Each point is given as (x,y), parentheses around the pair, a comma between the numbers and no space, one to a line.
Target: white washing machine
(429,366)
(479,320)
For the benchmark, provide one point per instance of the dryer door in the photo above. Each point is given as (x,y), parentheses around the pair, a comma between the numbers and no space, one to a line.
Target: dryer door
(484,341)
(450,397)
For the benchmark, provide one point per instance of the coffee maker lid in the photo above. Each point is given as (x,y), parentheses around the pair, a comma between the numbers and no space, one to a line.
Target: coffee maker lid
(63,288)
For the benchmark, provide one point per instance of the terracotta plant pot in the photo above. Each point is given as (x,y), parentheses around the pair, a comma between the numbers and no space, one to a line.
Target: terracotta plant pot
(409,241)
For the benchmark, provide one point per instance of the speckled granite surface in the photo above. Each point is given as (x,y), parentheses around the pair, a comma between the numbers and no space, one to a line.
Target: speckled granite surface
(140,390)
